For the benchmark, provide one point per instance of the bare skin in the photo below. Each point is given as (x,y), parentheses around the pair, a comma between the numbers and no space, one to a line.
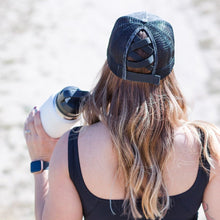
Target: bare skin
(96,157)
(206,210)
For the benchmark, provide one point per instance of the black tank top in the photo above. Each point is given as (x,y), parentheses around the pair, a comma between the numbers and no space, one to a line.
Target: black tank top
(183,206)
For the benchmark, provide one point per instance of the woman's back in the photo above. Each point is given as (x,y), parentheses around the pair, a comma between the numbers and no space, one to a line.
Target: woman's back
(98,164)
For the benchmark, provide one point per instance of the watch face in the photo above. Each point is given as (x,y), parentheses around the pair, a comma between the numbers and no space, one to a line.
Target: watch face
(36,166)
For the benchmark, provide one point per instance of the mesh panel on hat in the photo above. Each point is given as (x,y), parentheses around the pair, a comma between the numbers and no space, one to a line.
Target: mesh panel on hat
(163,36)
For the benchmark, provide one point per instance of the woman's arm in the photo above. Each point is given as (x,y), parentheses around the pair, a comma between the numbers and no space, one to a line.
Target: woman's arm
(211,199)
(62,201)
(55,196)
(41,191)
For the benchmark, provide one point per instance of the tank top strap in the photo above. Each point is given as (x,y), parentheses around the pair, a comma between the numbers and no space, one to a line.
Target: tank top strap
(88,202)
(203,159)
(202,180)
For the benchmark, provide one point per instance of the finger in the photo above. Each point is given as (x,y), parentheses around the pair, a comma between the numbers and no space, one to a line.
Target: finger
(34,110)
(28,125)
(32,129)
(38,125)
(26,130)
(32,114)
(25,125)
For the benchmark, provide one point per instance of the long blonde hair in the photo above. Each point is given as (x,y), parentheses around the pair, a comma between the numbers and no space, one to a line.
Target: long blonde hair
(141,118)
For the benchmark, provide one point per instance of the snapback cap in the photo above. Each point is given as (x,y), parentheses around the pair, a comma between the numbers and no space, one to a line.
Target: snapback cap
(158,46)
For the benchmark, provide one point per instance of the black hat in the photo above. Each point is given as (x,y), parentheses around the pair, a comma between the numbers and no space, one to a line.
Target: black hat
(159,46)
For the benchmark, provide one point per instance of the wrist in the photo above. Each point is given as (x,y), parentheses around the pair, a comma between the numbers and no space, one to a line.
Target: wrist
(44,158)
(40,157)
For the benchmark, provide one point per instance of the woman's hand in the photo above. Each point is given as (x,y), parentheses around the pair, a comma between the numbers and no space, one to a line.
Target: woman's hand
(40,145)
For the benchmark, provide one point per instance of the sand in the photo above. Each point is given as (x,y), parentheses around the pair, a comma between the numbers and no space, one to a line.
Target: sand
(46,45)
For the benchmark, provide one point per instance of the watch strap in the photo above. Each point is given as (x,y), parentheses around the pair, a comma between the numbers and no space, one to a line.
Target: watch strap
(38,166)
(45,165)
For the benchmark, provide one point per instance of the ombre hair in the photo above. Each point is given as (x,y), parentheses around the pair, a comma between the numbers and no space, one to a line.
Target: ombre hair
(141,118)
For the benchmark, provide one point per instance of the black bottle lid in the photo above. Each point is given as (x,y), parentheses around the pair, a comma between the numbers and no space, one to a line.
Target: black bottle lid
(68,101)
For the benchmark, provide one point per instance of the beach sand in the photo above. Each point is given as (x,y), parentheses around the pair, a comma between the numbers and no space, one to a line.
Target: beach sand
(46,45)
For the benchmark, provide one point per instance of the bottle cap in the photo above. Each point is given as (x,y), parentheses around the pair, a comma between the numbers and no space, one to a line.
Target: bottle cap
(68,101)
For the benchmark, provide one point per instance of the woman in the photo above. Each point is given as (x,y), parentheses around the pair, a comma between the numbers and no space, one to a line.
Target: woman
(138,156)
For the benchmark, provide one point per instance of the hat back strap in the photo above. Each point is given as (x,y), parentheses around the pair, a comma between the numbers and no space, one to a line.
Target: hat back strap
(139,77)
(139,43)
(135,56)
(145,63)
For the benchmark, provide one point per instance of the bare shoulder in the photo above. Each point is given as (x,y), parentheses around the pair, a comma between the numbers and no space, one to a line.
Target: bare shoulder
(185,143)
(98,130)
(98,161)
(212,134)
(94,138)
(95,146)
(65,200)
(59,158)
(215,171)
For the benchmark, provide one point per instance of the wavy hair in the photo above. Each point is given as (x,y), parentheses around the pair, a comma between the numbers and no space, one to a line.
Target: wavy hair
(141,118)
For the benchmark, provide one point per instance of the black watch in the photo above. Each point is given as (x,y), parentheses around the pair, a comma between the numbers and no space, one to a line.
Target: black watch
(38,166)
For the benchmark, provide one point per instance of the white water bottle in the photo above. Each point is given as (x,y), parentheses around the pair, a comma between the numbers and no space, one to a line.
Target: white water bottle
(60,112)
